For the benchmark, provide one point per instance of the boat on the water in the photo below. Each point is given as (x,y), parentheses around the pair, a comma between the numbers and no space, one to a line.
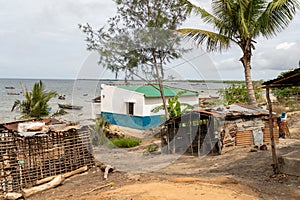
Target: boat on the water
(97,99)
(9,87)
(62,97)
(69,106)
(13,93)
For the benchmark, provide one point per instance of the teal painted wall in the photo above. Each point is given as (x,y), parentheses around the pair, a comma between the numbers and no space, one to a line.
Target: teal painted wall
(136,122)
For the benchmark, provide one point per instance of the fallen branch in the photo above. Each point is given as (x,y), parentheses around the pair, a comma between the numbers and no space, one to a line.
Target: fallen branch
(77,171)
(66,175)
(52,184)
(45,180)
(100,187)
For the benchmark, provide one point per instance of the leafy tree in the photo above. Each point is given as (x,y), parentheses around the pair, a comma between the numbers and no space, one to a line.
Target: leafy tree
(140,39)
(236,93)
(174,106)
(36,101)
(240,22)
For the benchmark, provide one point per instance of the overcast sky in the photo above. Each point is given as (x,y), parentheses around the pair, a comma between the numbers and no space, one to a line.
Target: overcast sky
(40,39)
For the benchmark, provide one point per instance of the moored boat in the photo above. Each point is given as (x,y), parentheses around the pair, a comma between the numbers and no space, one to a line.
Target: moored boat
(69,106)
(97,99)
(9,87)
(13,93)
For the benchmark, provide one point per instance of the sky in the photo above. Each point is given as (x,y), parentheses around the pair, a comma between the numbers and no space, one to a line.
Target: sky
(41,40)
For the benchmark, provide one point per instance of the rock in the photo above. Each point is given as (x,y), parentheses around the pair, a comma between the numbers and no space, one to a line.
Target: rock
(253,150)
(263,147)
(133,177)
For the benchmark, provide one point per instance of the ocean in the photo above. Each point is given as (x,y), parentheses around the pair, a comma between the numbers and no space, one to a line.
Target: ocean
(79,92)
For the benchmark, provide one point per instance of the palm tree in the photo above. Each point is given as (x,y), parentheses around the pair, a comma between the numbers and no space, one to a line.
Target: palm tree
(36,102)
(240,22)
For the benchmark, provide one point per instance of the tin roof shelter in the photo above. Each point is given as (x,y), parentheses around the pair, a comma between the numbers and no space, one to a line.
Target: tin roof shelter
(289,79)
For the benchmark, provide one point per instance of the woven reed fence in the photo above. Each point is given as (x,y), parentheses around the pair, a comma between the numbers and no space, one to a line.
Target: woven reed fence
(27,158)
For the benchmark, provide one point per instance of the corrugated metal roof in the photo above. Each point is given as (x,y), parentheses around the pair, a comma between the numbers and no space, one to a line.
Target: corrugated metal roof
(150,91)
(235,109)
(291,78)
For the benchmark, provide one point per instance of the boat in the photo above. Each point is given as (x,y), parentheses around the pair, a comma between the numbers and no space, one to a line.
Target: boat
(69,106)
(97,99)
(9,87)
(13,93)
(62,97)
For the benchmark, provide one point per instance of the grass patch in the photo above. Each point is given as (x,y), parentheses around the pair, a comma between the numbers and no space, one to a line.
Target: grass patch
(125,142)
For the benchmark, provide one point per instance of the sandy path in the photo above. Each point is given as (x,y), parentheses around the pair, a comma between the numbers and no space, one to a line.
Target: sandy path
(182,189)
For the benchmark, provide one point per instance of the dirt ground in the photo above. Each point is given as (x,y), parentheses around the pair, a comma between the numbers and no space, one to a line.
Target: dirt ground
(236,174)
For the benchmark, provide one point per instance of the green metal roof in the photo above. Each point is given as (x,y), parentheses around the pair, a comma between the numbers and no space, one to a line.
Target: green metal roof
(150,91)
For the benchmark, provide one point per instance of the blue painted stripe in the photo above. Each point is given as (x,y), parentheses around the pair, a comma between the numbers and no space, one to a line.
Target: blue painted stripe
(136,122)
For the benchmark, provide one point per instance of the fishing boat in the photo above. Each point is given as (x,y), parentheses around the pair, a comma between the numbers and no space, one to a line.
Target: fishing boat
(62,97)
(69,106)
(97,99)
(13,93)
(9,87)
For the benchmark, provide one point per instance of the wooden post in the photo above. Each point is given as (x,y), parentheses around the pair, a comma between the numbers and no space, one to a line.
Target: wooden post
(274,155)
(174,136)
(199,134)
(191,138)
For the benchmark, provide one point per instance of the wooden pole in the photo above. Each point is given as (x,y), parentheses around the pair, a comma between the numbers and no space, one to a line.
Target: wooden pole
(191,138)
(199,133)
(273,146)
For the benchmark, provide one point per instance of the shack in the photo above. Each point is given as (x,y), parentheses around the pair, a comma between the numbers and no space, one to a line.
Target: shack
(31,151)
(289,79)
(208,131)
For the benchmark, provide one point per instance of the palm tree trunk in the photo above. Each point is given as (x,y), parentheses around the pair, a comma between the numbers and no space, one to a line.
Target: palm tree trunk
(251,95)
(246,60)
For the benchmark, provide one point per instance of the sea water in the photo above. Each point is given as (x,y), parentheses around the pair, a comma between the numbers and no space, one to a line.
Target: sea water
(81,93)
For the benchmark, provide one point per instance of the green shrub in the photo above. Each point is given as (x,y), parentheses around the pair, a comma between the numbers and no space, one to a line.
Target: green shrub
(152,148)
(125,142)
(99,137)
(237,93)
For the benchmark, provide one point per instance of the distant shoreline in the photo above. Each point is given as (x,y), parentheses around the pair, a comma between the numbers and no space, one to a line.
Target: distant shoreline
(192,80)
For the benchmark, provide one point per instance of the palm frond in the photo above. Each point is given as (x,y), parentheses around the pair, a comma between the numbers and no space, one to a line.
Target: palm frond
(157,109)
(212,41)
(277,16)
(16,105)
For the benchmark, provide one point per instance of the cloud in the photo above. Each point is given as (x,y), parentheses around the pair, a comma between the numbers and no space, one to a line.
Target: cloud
(285,45)
(42,35)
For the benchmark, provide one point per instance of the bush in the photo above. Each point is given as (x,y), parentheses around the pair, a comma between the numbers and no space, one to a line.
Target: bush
(152,148)
(125,142)
(237,93)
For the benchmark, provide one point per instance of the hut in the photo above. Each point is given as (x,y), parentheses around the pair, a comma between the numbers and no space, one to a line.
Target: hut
(32,151)
(131,105)
(289,79)
(204,131)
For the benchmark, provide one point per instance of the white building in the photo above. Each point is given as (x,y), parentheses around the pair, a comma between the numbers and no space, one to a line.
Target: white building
(131,105)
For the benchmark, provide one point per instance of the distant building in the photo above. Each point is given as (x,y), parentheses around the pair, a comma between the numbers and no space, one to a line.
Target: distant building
(131,105)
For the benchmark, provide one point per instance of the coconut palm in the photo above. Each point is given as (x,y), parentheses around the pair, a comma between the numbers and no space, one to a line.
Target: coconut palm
(36,102)
(240,22)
